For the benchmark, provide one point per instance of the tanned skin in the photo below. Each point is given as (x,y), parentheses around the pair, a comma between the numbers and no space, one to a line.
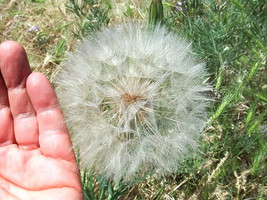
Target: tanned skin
(36,156)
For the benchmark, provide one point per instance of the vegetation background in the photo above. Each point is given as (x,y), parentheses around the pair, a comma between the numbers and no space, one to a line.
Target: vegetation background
(230,36)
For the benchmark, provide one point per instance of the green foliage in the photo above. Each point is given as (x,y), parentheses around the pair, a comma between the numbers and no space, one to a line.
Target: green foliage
(129,12)
(97,188)
(155,14)
(90,14)
(231,37)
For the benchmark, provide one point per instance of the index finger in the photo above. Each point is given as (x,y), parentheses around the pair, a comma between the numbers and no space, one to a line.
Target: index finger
(54,138)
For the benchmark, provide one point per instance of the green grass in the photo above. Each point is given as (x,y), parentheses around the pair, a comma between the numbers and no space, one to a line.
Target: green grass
(91,15)
(231,37)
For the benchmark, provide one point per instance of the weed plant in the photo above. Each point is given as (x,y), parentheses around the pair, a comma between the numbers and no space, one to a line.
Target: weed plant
(90,15)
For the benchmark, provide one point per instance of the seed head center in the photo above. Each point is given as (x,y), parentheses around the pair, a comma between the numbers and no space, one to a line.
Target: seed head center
(128,99)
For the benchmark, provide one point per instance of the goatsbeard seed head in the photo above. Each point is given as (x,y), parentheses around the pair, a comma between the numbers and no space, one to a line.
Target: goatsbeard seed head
(134,100)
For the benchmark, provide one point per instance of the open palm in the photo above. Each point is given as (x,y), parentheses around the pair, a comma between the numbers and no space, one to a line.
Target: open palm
(36,156)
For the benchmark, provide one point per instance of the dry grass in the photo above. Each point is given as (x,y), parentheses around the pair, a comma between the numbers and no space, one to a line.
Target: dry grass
(123,10)
(55,27)
(52,23)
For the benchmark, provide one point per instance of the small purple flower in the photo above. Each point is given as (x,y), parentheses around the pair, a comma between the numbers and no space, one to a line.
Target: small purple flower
(181,6)
(33,28)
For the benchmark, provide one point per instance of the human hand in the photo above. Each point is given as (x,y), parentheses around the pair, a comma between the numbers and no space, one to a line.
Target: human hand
(36,156)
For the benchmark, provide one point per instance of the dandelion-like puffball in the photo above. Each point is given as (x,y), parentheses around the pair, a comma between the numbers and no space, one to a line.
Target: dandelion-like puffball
(134,101)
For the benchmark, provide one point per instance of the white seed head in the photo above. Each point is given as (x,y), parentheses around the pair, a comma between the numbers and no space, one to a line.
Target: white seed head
(134,100)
